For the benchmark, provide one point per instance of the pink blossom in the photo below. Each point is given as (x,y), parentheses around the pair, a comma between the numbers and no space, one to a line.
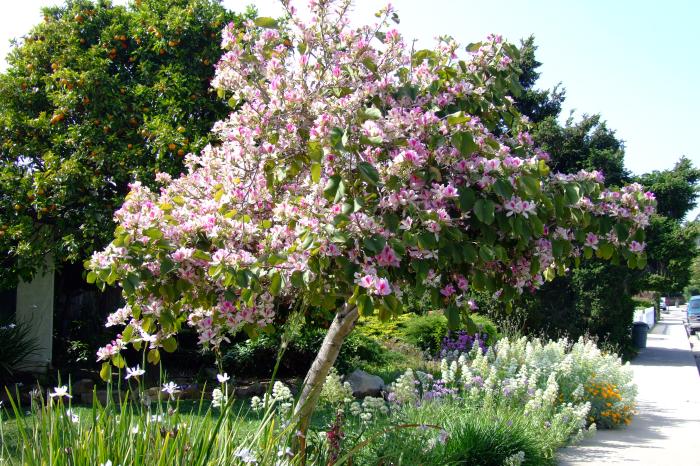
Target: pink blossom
(448,290)
(591,241)
(636,246)
(382,287)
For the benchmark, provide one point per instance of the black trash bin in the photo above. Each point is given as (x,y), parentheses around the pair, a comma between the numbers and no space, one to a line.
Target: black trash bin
(639,334)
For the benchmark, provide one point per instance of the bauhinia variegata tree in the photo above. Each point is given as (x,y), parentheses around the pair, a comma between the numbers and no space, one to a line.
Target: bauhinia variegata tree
(351,170)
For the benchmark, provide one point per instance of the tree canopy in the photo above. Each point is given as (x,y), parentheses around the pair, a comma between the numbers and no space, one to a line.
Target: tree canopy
(95,97)
(350,171)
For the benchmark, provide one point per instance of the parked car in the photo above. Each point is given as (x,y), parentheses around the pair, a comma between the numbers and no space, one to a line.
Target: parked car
(693,314)
(662,304)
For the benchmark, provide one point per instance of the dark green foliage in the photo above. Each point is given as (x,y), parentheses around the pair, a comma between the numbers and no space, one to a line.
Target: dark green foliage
(671,248)
(95,97)
(15,346)
(537,104)
(641,303)
(584,145)
(676,190)
(426,332)
(256,357)
(477,436)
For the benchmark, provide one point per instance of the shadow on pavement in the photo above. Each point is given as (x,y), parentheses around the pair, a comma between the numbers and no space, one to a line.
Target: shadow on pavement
(647,430)
(664,357)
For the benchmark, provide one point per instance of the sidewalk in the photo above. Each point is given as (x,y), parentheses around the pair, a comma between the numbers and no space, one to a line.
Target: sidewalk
(666,430)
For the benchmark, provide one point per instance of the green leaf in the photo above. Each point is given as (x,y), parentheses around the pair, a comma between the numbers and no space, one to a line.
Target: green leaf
(470,325)
(118,361)
(91,277)
(486,253)
(275,284)
(605,251)
(153,233)
(457,118)
(340,193)
(469,253)
(153,356)
(537,225)
(266,22)
(370,113)
(426,240)
(338,138)
(503,189)
(368,173)
(466,199)
(297,279)
(622,231)
(374,243)
(573,194)
(315,151)
(106,372)
(464,142)
(169,344)
(315,172)
(531,184)
(452,313)
(331,188)
(365,305)
(485,211)
(371,140)
(641,261)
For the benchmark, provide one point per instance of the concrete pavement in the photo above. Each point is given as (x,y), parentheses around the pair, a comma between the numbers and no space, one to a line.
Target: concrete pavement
(666,430)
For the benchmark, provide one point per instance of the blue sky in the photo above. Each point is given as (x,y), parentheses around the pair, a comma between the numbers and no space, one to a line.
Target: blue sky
(637,63)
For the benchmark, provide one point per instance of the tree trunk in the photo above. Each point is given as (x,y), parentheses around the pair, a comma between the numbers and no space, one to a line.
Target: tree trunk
(342,325)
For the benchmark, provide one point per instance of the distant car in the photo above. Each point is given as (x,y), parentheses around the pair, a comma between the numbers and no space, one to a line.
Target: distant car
(662,304)
(693,314)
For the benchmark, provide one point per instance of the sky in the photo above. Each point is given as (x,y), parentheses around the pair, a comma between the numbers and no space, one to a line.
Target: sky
(635,62)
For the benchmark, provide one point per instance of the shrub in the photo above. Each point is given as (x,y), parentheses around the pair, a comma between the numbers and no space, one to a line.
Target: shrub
(256,357)
(15,346)
(642,303)
(582,372)
(429,331)
(426,332)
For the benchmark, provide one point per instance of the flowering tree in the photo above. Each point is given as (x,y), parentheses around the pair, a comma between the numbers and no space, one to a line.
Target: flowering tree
(351,171)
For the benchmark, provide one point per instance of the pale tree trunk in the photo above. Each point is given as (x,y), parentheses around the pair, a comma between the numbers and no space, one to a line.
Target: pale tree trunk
(342,325)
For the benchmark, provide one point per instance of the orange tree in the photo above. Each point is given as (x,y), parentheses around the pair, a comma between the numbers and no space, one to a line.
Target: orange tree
(95,97)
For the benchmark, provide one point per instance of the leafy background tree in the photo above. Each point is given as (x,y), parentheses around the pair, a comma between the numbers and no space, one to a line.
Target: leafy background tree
(95,97)
(596,298)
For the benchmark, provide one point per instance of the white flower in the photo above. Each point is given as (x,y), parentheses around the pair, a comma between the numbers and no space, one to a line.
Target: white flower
(156,417)
(256,403)
(135,429)
(134,372)
(108,463)
(223,378)
(70,414)
(170,388)
(218,398)
(60,392)
(246,455)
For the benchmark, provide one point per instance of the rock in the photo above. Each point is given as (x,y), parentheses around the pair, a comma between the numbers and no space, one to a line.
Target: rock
(253,389)
(364,384)
(189,392)
(83,386)
(102,396)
